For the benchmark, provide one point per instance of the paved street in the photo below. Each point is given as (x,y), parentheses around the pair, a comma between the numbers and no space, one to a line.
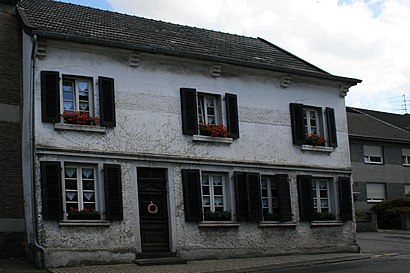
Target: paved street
(390,252)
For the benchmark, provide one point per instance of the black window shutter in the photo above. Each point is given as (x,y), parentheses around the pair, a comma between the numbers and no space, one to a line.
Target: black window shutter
(254,196)
(297,122)
(113,192)
(241,196)
(285,207)
(189,111)
(192,195)
(231,101)
(305,197)
(107,101)
(331,127)
(51,190)
(50,96)
(345,197)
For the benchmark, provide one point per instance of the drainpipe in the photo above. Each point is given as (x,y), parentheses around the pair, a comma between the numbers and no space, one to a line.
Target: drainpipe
(34,238)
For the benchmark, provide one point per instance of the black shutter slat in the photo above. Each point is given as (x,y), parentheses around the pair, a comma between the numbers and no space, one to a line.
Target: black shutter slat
(297,122)
(189,111)
(231,101)
(285,207)
(107,101)
(50,96)
(51,190)
(331,127)
(345,196)
(241,196)
(305,197)
(113,192)
(192,195)
(254,197)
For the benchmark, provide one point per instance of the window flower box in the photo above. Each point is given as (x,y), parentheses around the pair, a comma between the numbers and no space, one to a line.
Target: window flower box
(315,140)
(213,130)
(84,214)
(217,216)
(80,118)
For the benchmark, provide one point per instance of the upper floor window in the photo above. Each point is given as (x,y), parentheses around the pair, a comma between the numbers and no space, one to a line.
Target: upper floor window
(77,97)
(311,126)
(406,156)
(376,192)
(202,109)
(373,154)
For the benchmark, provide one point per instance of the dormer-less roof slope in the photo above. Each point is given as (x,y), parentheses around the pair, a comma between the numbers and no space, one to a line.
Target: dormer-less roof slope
(402,121)
(364,126)
(89,25)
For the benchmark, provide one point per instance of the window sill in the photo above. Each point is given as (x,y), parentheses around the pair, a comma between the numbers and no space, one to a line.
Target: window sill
(330,223)
(264,224)
(320,149)
(212,224)
(201,138)
(374,201)
(82,128)
(99,223)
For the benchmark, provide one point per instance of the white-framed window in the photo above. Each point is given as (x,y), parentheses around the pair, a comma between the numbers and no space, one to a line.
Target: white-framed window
(406,188)
(269,196)
(376,192)
(406,157)
(78,95)
(312,121)
(214,192)
(321,202)
(373,154)
(80,188)
(209,109)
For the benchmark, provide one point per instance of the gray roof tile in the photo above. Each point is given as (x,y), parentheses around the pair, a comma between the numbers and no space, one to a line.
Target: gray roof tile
(63,20)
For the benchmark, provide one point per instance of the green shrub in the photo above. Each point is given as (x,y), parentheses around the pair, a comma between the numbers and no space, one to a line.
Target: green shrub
(322,216)
(388,212)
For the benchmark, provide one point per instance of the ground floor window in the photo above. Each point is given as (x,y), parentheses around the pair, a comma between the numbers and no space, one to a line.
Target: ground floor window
(80,195)
(269,196)
(376,192)
(320,195)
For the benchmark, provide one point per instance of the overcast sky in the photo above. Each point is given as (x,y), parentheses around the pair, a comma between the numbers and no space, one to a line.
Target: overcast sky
(363,39)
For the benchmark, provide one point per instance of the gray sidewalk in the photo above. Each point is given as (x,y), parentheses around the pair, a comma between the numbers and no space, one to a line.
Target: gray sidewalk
(226,265)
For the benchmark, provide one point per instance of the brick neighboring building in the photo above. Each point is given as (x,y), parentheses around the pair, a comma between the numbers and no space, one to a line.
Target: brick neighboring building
(12,230)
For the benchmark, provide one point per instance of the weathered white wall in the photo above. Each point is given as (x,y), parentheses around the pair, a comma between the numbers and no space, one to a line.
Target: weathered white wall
(148,133)
(149,115)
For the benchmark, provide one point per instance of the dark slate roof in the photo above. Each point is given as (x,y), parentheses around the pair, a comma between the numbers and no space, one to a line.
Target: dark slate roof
(84,24)
(402,121)
(360,124)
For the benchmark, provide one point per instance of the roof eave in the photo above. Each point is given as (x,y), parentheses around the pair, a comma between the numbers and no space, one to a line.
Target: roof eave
(76,38)
(380,139)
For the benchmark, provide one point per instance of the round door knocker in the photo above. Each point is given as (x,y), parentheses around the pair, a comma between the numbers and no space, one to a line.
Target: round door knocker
(152,208)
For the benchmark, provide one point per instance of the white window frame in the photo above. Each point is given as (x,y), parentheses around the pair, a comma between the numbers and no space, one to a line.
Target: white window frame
(371,156)
(76,101)
(80,192)
(212,205)
(271,203)
(406,188)
(308,112)
(203,111)
(318,203)
(376,199)
(406,157)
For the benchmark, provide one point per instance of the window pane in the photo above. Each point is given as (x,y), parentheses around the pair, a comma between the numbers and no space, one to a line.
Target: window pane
(219,201)
(376,191)
(205,190)
(70,172)
(82,86)
(68,96)
(89,206)
(88,173)
(88,185)
(205,180)
(218,191)
(68,86)
(71,196)
(217,180)
(206,201)
(84,106)
(71,184)
(69,106)
(88,197)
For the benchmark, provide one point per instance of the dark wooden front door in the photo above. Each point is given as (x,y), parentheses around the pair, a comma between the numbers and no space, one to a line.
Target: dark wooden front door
(152,195)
